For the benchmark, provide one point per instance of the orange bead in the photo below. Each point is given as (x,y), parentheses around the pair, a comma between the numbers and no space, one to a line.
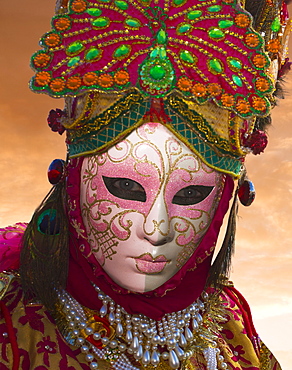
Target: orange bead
(42,78)
(52,40)
(184,84)
(199,90)
(78,6)
(227,100)
(90,78)
(57,85)
(262,84)
(259,104)
(242,20)
(105,80)
(62,24)
(274,46)
(214,89)
(259,61)
(242,106)
(252,40)
(121,77)
(74,82)
(41,60)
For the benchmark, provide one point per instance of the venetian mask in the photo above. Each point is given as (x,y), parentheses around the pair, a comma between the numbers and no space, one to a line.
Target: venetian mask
(146,204)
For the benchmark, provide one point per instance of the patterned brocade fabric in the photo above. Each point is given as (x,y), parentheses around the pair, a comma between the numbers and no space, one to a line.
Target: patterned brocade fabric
(28,335)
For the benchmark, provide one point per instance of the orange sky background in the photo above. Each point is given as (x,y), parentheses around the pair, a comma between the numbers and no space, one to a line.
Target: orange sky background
(262,267)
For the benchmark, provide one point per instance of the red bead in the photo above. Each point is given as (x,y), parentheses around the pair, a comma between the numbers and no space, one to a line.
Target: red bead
(55,171)
(246,193)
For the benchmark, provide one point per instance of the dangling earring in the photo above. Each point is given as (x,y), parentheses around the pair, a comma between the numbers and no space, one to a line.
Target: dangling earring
(56,171)
(246,191)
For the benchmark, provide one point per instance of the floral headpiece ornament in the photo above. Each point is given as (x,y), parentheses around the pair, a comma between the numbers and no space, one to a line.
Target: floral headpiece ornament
(204,68)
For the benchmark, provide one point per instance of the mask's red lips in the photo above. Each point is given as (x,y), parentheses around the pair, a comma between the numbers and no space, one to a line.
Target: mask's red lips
(147,264)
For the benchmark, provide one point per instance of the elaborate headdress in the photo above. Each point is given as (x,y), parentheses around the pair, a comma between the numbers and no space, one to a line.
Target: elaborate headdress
(208,70)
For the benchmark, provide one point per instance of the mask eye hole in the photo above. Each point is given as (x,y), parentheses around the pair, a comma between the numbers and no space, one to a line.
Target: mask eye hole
(125,188)
(192,194)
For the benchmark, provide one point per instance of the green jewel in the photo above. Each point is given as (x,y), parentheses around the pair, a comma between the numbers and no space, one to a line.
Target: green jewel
(94,12)
(214,8)
(178,2)
(235,63)
(105,1)
(75,47)
(157,72)
(101,22)
(225,24)
(194,14)
(121,4)
(92,53)
(158,52)
(122,51)
(237,80)
(73,61)
(161,37)
(276,25)
(184,28)
(215,65)
(133,23)
(216,33)
(186,56)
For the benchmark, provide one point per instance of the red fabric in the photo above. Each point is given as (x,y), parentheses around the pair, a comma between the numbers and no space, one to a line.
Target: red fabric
(12,336)
(245,309)
(177,293)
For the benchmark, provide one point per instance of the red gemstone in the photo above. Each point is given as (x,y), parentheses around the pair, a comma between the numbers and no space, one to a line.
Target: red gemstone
(55,171)
(246,193)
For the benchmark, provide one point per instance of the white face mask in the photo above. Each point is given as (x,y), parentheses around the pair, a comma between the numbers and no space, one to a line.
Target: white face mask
(146,204)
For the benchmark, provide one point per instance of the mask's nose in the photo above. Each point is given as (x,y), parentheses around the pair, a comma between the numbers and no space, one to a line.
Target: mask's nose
(157,228)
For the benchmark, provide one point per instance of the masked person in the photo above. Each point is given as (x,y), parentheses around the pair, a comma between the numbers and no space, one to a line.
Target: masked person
(163,100)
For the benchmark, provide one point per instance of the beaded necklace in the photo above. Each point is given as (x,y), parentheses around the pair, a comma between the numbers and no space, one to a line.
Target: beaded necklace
(119,339)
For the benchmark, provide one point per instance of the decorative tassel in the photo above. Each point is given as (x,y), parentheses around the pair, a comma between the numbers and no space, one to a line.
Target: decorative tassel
(44,255)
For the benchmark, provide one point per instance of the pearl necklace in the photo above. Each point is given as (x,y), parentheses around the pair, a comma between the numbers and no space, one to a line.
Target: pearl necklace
(148,341)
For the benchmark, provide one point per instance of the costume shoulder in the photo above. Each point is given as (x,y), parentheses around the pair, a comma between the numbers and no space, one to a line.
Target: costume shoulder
(239,333)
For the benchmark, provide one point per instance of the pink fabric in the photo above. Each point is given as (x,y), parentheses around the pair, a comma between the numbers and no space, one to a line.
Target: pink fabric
(10,245)
(177,293)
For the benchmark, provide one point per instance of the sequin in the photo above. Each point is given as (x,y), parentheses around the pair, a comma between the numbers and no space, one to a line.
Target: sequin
(161,37)
(237,80)
(73,61)
(215,66)
(93,54)
(121,4)
(101,22)
(214,8)
(276,25)
(187,57)
(194,14)
(122,51)
(225,23)
(216,33)
(75,47)
(184,28)
(95,12)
